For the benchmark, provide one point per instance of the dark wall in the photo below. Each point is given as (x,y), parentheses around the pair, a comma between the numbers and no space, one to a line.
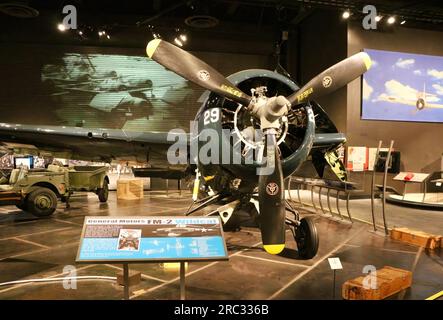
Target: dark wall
(227,37)
(322,43)
(421,144)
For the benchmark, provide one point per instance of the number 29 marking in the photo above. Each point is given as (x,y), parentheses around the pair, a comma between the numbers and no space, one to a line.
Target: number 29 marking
(211,116)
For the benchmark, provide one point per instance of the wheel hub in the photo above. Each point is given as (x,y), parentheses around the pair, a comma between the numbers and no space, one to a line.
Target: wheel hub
(43,202)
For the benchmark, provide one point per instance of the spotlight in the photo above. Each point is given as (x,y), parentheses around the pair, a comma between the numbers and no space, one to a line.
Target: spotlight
(346,14)
(178,42)
(378,18)
(100,33)
(183,37)
(108,36)
(391,20)
(155,35)
(61,27)
(80,33)
(403,22)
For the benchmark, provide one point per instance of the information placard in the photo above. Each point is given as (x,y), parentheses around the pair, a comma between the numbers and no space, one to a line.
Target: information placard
(335,263)
(145,239)
(411,177)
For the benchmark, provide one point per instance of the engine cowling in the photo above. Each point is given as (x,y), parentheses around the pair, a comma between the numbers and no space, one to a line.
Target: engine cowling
(229,120)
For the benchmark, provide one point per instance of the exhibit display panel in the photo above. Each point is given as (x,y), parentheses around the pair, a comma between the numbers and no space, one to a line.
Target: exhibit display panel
(403,87)
(142,239)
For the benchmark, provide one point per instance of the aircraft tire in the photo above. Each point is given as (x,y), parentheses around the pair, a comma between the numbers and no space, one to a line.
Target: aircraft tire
(307,238)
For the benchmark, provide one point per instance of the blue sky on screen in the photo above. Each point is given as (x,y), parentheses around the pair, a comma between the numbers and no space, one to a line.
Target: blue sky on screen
(396,81)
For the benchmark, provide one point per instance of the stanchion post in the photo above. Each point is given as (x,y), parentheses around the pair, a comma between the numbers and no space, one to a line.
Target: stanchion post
(385,178)
(373,184)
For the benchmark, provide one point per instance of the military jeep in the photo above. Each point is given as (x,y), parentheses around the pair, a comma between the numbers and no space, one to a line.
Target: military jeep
(37,190)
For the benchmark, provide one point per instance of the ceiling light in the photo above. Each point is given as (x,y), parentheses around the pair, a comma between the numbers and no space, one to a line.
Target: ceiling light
(108,36)
(391,20)
(346,14)
(80,32)
(183,37)
(178,42)
(403,22)
(61,27)
(378,18)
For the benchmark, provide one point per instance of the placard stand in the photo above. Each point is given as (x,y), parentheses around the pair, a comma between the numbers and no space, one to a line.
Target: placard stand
(126,281)
(182,280)
(151,239)
(333,286)
(334,264)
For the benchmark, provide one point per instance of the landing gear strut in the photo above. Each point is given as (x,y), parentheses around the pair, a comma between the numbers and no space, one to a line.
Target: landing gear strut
(304,232)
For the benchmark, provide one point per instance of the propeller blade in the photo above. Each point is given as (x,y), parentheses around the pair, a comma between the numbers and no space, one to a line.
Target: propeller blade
(271,198)
(193,69)
(333,78)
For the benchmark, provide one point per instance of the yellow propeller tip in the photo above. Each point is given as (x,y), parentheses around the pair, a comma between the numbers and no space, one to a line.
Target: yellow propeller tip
(274,248)
(152,46)
(367,60)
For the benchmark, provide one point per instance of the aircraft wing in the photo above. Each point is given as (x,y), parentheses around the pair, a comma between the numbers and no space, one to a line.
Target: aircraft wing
(86,143)
(411,102)
(434,105)
(106,145)
(328,140)
(399,101)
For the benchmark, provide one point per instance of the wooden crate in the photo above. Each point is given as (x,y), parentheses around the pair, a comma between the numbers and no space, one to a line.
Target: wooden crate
(417,238)
(388,281)
(130,189)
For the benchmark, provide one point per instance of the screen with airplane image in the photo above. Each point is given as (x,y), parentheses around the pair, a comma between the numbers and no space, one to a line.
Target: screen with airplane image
(403,87)
(102,87)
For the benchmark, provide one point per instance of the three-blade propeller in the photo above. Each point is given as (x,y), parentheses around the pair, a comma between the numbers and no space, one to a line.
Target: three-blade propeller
(270,184)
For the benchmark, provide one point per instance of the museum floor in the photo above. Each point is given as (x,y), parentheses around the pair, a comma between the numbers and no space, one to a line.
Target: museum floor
(33,248)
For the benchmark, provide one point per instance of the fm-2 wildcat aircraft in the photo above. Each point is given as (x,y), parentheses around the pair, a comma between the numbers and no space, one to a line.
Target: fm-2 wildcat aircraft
(420,101)
(292,125)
